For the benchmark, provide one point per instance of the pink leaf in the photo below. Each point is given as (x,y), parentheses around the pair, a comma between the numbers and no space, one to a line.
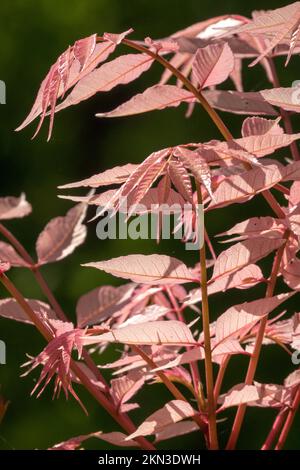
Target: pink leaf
(156,332)
(181,179)
(155,98)
(238,395)
(242,187)
(9,308)
(62,235)
(116,175)
(291,274)
(4,266)
(153,269)
(176,430)
(125,387)
(276,26)
(122,70)
(117,439)
(239,318)
(198,166)
(285,98)
(83,49)
(246,277)
(239,102)
(172,412)
(101,303)
(242,254)
(9,255)
(266,144)
(212,64)
(74,442)
(260,126)
(257,227)
(14,207)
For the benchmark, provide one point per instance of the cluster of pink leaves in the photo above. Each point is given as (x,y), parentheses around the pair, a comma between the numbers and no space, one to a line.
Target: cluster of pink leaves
(147,314)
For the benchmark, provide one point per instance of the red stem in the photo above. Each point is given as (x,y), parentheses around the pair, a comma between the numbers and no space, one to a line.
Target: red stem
(257,349)
(289,421)
(123,420)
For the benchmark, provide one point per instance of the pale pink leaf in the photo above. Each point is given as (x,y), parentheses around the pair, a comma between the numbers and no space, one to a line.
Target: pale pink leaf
(242,187)
(239,318)
(239,102)
(9,308)
(155,98)
(74,442)
(285,98)
(83,49)
(153,269)
(291,274)
(176,430)
(121,70)
(257,227)
(62,235)
(116,175)
(157,332)
(246,277)
(8,254)
(101,303)
(266,144)
(260,126)
(14,207)
(238,395)
(117,439)
(276,26)
(212,64)
(242,254)
(172,412)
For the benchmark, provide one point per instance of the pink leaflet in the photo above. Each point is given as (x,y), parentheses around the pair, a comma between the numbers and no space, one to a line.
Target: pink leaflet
(172,412)
(14,207)
(168,332)
(62,235)
(9,308)
(212,64)
(154,98)
(147,269)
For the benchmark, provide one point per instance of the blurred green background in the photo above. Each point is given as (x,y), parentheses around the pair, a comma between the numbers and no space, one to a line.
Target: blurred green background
(32,35)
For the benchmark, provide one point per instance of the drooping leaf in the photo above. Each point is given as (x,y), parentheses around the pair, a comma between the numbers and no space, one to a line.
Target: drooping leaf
(119,71)
(62,235)
(198,166)
(116,175)
(14,207)
(83,49)
(153,269)
(155,98)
